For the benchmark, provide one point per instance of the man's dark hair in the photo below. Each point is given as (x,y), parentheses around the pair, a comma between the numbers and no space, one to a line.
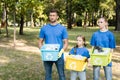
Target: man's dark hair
(54,11)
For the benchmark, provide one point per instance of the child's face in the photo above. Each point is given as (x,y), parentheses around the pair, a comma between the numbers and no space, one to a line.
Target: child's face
(80,42)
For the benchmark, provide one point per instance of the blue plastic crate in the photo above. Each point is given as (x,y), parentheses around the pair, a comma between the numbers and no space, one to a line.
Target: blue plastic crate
(50,52)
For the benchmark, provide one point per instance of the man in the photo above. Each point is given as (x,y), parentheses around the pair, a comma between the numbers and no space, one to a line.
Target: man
(54,33)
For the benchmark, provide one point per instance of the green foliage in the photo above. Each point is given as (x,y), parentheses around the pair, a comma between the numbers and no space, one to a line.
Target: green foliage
(40,9)
(108,6)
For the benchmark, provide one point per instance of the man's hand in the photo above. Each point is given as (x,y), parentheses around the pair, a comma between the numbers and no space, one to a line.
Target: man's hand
(40,53)
(60,53)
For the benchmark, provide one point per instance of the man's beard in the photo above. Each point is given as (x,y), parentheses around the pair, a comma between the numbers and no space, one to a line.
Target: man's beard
(53,21)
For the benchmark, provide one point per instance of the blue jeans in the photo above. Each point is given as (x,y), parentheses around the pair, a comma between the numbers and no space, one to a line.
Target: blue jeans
(107,71)
(75,74)
(60,68)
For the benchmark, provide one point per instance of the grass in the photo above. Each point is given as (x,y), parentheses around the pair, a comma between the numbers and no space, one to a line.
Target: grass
(23,62)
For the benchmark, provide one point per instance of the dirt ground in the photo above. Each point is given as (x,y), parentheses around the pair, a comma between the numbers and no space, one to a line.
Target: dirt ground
(20,45)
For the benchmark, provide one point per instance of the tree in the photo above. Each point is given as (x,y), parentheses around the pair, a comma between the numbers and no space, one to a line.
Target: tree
(22,17)
(69,13)
(117,27)
(4,17)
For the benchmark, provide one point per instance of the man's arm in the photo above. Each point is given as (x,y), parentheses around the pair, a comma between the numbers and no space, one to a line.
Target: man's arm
(65,44)
(40,42)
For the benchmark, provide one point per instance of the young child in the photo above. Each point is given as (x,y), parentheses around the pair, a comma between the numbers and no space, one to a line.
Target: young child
(79,49)
(104,39)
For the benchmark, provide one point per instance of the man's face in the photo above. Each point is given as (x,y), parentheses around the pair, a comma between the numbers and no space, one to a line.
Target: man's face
(53,17)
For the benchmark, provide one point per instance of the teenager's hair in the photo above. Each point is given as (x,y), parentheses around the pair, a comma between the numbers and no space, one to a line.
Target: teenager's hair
(54,11)
(105,19)
(83,38)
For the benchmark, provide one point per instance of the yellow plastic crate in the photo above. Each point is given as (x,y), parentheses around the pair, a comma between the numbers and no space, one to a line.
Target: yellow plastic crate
(100,59)
(75,64)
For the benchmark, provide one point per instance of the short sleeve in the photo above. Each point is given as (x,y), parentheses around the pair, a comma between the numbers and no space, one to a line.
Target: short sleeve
(71,51)
(86,53)
(41,34)
(92,41)
(112,40)
(65,33)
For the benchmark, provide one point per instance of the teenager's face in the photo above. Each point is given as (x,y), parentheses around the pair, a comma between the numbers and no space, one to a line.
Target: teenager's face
(53,17)
(101,23)
(80,41)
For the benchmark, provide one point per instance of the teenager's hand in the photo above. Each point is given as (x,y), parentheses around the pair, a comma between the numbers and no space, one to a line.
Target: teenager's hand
(60,53)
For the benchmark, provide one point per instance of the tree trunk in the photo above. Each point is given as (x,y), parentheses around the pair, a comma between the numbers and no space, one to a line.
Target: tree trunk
(93,19)
(69,14)
(117,27)
(32,22)
(85,20)
(21,24)
(14,39)
(6,21)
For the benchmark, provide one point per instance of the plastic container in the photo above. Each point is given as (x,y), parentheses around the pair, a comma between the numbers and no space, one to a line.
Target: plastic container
(75,64)
(50,52)
(102,58)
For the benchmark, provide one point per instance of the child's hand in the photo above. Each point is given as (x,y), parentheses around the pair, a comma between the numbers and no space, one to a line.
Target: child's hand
(86,60)
(60,53)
